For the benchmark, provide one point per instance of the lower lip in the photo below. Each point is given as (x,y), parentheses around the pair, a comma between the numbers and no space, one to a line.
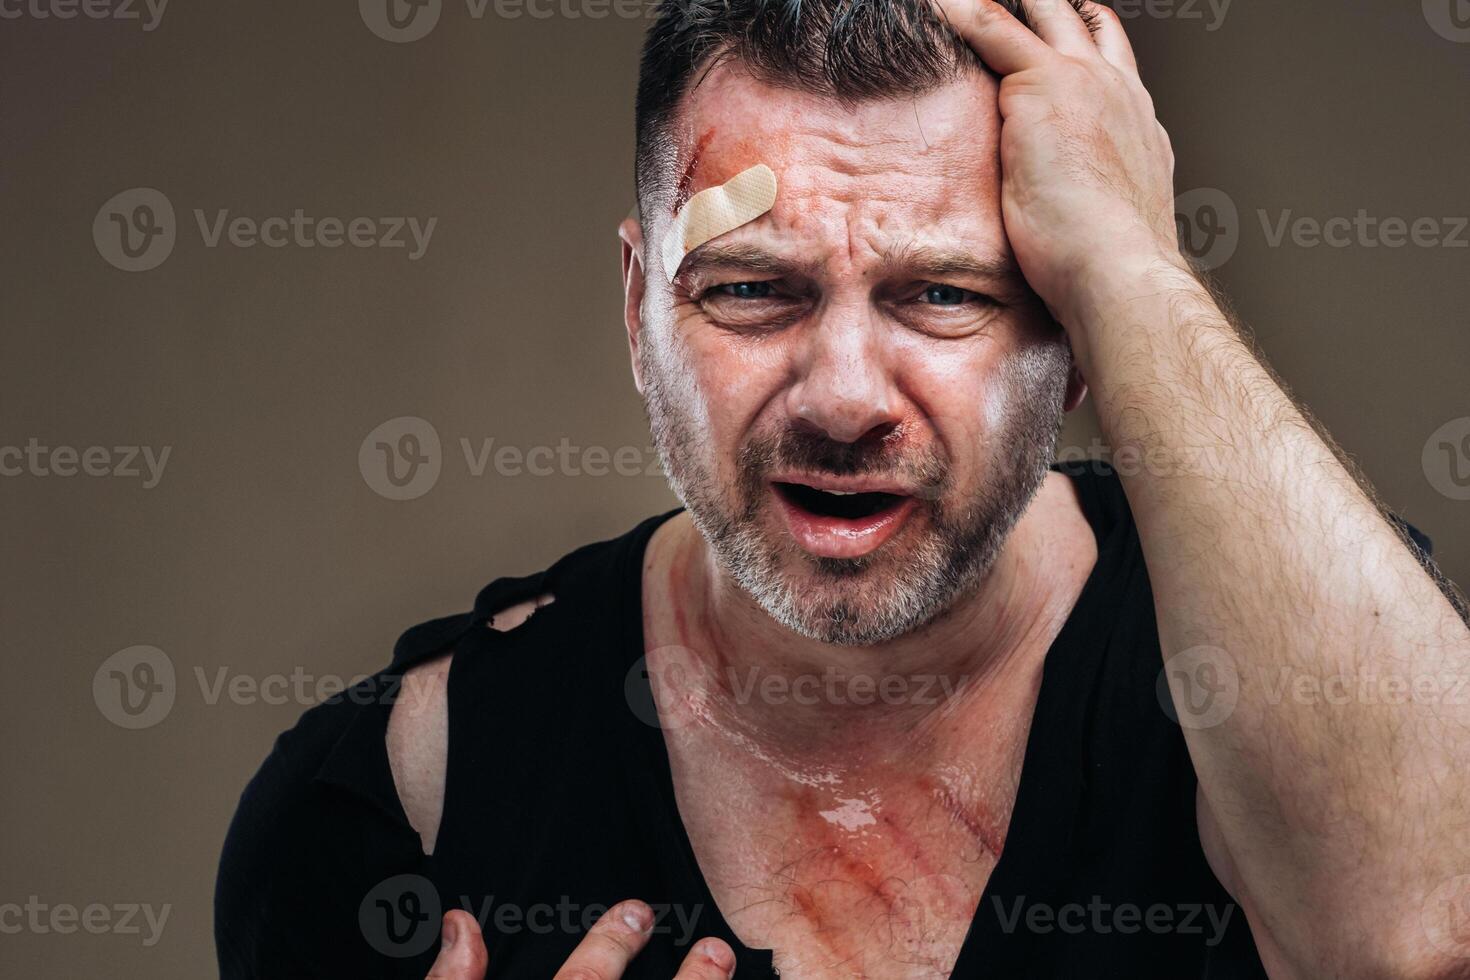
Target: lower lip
(840,537)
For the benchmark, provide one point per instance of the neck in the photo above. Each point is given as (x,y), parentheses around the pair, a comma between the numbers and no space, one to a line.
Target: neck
(800,698)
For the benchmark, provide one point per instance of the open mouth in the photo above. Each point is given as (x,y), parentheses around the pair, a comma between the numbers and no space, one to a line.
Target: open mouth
(849,505)
(836,523)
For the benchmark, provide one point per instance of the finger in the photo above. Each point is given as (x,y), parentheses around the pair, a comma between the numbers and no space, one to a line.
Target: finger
(611,944)
(1001,41)
(710,959)
(462,953)
(1110,37)
(1060,25)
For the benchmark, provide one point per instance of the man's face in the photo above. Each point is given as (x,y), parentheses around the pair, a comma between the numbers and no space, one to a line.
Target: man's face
(856,395)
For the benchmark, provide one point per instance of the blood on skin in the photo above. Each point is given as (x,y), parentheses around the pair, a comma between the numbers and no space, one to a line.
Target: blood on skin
(707,169)
(882,865)
(902,864)
(988,836)
(686,178)
(821,842)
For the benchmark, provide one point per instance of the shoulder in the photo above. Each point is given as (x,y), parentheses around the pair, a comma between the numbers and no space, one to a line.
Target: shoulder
(352,793)
(336,746)
(418,728)
(318,826)
(417,735)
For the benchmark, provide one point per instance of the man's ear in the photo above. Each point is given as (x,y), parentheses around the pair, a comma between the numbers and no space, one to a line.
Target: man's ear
(1076,389)
(634,281)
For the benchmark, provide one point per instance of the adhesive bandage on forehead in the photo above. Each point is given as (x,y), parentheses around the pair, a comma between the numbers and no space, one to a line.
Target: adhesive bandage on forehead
(717,210)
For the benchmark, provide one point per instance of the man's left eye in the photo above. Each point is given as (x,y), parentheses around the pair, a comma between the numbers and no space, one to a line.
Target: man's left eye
(746,290)
(941,295)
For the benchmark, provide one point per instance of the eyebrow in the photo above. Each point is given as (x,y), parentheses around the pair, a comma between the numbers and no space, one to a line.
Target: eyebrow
(743,255)
(924,260)
(941,261)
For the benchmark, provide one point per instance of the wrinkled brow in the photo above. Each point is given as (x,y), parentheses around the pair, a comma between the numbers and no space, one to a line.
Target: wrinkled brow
(922,261)
(940,262)
(747,256)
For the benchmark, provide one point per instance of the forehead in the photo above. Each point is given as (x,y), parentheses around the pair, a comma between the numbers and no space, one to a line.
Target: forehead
(924,166)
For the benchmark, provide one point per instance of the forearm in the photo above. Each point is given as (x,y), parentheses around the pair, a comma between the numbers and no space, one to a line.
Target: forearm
(1339,777)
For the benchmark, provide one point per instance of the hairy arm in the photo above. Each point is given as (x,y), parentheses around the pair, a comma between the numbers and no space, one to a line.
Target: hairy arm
(1317,668)
(1314,663)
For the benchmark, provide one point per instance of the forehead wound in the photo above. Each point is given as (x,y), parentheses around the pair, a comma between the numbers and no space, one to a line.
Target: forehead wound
(716,211)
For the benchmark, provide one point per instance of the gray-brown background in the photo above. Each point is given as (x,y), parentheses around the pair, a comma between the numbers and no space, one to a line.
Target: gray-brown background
(264,550)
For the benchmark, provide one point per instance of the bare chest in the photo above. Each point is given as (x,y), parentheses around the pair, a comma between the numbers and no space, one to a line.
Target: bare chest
(844,876)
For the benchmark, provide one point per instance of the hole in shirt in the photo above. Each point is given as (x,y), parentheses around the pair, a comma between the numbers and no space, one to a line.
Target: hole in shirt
(512,616)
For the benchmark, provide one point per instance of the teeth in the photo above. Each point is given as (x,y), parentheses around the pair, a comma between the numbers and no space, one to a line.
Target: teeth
(842,493)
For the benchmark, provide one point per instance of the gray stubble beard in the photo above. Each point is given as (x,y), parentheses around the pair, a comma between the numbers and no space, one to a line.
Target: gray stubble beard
(857,604)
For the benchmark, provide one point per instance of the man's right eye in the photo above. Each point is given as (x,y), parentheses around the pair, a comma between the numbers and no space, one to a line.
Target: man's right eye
(746,290)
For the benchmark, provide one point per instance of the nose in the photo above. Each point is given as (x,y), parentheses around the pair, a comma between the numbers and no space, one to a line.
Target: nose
(843,389)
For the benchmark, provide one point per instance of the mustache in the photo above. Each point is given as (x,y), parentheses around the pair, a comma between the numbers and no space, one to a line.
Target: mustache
(924,469)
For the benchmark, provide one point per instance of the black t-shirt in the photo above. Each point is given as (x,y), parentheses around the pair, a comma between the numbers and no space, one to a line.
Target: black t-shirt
(559,802)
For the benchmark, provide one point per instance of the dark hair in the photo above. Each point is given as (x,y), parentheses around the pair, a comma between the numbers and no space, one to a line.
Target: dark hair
(851,50)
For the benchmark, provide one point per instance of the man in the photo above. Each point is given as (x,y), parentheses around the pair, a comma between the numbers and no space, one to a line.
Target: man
(894,696)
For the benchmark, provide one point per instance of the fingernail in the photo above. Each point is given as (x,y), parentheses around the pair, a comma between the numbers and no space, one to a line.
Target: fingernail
(451,933)
(719,954)
(636,917)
